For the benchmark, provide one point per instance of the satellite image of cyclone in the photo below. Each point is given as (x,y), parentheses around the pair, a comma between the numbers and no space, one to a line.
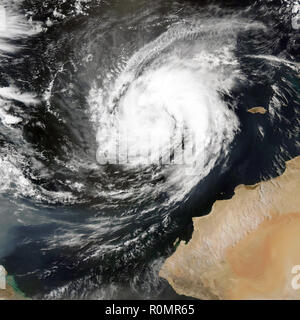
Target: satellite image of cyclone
(149,149)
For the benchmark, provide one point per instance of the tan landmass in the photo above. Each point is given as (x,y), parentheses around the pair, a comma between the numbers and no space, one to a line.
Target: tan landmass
(10,293)
(246,247)
(260,110)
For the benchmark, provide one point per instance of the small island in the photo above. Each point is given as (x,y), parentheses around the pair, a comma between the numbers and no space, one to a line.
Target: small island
(260,110)
(247,247)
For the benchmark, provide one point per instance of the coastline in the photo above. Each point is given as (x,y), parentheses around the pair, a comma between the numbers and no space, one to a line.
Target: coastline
(11,291)
(246,247)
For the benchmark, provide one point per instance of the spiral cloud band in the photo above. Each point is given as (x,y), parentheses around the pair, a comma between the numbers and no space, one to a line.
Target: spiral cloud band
(165,107)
